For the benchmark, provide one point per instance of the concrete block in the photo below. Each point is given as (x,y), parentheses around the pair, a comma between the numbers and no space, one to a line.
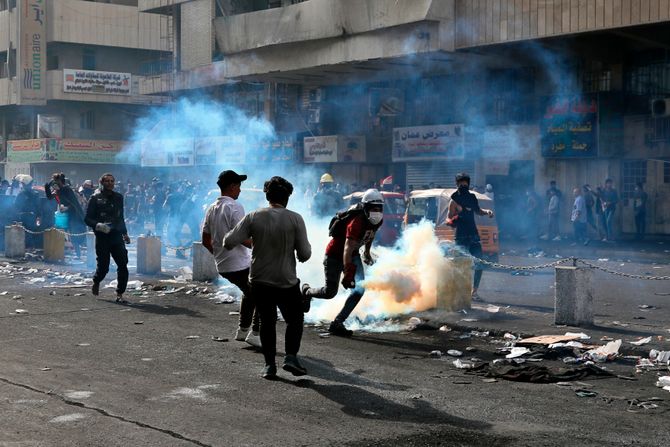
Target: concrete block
(204,265)
(54,245)
(15,241)
(455,284)
(148,255)
(90,250)
(574,296)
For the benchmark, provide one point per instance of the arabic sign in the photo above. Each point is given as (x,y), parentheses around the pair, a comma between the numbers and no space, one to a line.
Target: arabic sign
(569,127)
(24,151)
(31,52)
(220,150)
(280,149)
(96,82)
(64,150)
(442,142)
(334,149)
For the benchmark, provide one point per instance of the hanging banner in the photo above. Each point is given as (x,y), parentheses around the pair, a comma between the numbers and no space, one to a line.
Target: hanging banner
(83,151)
(441,142)
(569,127)
(96,82)
(31,52)
(334,149)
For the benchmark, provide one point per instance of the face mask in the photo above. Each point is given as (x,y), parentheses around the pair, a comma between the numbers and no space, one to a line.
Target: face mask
(463,188)
(375,217)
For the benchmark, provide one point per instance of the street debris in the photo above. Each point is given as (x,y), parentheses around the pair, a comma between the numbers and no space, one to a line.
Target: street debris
(640,342)
(664,382)
(604,353)
(192,337)
(219,339)
(454,353)
(436,354)
(585,393)
(548,339)
(445,328)
(517,352)
(21,311)
(458,363)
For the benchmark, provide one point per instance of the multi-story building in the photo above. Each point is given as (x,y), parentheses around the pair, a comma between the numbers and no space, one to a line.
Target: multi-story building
(69,82)
(517,92)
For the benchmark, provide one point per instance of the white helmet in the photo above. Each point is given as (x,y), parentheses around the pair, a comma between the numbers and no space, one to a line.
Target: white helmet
(372,197)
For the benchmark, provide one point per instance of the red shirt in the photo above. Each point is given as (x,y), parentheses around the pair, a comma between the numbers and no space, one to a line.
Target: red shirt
(359,229)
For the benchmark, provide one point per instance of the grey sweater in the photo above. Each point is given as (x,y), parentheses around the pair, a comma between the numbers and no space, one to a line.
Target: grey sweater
(278,235)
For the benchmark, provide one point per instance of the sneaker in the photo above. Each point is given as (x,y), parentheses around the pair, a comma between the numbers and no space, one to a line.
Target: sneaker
(269,372)
(475,297)
(254,339)
(95,288)
(241,334)
(306,300)
(292,365)
(120,300)
(557,238)
(337,328)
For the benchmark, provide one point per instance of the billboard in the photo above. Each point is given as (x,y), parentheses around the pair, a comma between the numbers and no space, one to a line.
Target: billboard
(334,149)
(440,142)
(31,52)
(96,82)
(569,127)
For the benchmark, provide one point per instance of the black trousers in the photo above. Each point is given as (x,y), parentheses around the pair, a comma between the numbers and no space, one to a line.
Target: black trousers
(107,245)
(474,246)
(289,302)
(248,312)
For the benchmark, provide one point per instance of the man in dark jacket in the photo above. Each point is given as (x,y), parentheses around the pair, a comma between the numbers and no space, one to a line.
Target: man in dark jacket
(68,202)
(105,215)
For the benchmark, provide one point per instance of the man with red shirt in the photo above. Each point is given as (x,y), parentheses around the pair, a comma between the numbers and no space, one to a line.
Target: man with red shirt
(343,257)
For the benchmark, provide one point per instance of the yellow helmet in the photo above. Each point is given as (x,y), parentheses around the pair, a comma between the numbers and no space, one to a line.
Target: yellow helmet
(327,178)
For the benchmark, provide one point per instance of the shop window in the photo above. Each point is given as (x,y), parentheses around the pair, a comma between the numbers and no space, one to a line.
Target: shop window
(87,120)
(633,171)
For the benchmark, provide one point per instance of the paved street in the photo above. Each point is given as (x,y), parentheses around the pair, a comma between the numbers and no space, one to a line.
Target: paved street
(79,370)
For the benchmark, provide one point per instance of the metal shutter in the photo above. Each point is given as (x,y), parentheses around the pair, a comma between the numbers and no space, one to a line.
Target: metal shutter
(439,172)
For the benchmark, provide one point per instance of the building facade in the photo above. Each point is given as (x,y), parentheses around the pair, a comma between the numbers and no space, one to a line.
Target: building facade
(69,84)
(517,92)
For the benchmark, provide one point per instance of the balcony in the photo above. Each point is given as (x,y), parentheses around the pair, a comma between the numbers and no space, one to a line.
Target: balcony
(90,23)
(158,6)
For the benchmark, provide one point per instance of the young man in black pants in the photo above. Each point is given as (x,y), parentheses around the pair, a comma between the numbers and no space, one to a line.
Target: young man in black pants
(278,235)
(105,215)
(221,217)
(462,209)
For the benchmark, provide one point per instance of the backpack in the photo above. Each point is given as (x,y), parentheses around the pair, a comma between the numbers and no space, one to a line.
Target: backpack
(338,224)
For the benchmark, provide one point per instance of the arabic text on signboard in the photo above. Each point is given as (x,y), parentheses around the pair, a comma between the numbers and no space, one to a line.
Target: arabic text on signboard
(569,127)
(96,82)
(440,142)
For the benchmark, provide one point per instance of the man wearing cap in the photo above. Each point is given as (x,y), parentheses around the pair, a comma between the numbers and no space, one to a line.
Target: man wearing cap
(221,217)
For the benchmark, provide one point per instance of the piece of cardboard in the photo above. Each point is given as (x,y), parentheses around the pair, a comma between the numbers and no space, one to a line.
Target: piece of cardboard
(547,339)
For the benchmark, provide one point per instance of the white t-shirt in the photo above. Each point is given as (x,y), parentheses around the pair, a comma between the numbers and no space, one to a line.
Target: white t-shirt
(221,217)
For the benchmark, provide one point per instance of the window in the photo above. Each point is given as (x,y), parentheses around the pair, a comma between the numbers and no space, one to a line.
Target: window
(658,129)
(52,62)
(666,171)
(87,120)
(633,171)
(597,81)
(88,59)
(653,79)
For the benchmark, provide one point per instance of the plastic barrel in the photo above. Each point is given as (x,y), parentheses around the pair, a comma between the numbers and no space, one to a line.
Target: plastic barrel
(61,220)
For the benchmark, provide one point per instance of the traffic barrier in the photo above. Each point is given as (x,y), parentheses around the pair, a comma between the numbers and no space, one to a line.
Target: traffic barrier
(54,245)
(204,264)
(15,241)
(148,255)
(454,288)
(573,296)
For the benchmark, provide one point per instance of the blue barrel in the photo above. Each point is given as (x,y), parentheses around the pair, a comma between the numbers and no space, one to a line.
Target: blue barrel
(61,220)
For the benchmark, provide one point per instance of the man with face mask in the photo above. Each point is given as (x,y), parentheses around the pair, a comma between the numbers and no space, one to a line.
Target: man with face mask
(358,228)
(462,209)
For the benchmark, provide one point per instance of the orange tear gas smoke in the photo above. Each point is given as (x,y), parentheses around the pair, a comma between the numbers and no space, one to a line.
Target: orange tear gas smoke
(413,276)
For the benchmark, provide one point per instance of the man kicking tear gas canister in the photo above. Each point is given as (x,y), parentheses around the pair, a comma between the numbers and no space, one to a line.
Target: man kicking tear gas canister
(349,230)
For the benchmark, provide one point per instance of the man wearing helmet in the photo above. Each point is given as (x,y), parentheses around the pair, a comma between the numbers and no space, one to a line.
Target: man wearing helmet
(462,209)
(327,200)
(349,231)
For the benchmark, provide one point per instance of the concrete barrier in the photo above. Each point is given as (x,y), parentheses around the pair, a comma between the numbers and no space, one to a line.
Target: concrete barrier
(204,265)
(54,245)
(90,250)
(15,241)
(573,296)
(148,255)
(454,286)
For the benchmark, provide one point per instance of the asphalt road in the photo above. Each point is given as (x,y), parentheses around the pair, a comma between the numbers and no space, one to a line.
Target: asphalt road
(80,371)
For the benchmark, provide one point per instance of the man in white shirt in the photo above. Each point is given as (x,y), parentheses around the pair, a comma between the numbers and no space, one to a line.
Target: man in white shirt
(221,217)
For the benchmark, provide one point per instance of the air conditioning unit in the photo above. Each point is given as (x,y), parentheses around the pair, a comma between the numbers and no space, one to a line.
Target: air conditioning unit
(660,107)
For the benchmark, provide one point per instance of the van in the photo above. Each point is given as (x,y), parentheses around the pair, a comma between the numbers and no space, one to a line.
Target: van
(394,209)
(433,205)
